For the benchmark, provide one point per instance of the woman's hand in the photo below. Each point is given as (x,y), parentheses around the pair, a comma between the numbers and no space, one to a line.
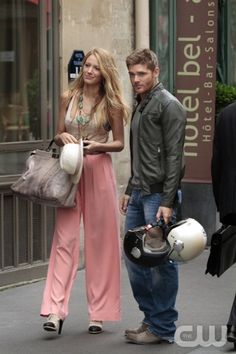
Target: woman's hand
(65,138)
(91,146)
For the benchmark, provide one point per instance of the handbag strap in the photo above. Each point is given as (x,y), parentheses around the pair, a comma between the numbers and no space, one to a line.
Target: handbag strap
(54,151)
(50,145)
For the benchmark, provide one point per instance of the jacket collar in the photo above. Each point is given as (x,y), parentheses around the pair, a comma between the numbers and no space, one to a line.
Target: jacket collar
(148,96)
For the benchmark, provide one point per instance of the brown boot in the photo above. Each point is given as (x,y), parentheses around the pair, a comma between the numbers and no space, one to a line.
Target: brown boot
(145,337)
(140,329)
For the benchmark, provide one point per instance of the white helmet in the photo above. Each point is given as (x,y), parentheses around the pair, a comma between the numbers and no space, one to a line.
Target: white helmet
(187,239)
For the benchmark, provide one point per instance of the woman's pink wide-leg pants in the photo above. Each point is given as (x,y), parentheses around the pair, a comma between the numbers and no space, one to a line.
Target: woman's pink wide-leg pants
(97,203)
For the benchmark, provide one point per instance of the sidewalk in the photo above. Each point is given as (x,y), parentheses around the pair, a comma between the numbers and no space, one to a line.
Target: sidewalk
(202,301)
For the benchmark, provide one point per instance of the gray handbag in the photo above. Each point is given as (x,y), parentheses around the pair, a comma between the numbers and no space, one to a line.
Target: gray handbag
(44,182)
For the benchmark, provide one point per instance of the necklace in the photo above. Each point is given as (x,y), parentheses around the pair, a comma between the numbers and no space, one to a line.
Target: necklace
(82,119)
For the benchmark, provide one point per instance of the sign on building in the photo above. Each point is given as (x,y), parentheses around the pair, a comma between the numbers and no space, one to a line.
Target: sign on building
(195,82)
(74,64)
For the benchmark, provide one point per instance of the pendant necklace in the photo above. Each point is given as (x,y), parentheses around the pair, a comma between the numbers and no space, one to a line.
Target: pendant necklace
(82,119)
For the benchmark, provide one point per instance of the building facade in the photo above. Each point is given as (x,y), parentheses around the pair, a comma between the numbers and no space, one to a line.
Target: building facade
(37,40)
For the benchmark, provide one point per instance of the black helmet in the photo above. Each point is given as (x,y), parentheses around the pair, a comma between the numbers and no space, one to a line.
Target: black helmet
(147,245)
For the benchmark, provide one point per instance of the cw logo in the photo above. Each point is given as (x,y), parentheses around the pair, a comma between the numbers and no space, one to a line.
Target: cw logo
(187,336)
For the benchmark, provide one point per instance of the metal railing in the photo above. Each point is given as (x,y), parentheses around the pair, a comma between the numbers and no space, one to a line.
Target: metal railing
(26,231)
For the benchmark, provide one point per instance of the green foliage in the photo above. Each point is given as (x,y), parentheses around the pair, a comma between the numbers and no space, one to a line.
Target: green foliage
(225,94)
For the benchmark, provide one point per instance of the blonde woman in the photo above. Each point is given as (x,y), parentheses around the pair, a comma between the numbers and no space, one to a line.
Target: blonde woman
(91,108)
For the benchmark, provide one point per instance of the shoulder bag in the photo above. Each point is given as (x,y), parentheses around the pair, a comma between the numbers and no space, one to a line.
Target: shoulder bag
(44,181)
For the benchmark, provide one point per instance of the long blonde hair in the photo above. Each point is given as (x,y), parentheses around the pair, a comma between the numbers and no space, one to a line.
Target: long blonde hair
(110,91)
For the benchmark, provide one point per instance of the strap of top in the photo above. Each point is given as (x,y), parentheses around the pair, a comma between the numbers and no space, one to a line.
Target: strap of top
(68,112)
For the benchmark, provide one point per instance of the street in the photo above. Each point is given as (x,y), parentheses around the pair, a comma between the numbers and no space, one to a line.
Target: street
(204,303)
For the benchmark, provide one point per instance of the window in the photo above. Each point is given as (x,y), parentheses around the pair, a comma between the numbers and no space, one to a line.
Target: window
(27,89)
(162,23)
(28,102)
(226,44)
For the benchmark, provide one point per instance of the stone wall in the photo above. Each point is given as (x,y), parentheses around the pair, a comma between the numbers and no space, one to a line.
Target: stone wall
(108,24)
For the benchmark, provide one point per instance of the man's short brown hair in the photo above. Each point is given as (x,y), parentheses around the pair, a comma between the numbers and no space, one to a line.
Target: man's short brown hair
(142,56)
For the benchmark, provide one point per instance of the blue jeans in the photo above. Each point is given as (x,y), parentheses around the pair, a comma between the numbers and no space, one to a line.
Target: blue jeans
(154,289)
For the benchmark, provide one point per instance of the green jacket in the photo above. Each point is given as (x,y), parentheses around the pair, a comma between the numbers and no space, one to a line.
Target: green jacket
(161,138)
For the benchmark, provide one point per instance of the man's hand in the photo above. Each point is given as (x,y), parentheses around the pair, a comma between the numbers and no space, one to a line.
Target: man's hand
(123,205)
(165,213)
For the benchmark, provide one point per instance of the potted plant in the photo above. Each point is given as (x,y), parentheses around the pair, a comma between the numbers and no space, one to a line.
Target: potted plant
(225,94)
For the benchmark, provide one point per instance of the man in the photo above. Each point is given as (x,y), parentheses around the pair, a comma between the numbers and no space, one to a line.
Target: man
(223,170)
(156,142)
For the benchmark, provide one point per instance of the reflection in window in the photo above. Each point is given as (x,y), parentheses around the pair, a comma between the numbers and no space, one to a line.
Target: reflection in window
(19,66)
(26,85)
(160,40)
(20,31)
(163,39)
